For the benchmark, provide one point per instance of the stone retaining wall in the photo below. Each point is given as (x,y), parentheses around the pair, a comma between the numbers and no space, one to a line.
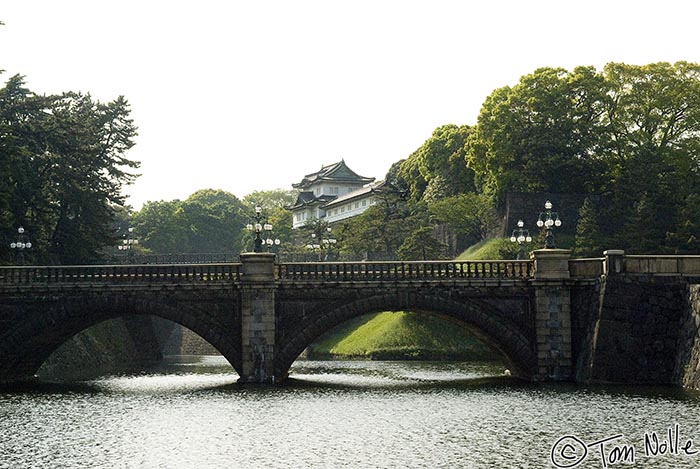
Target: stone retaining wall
(636,332)
(687,370)
(585,303)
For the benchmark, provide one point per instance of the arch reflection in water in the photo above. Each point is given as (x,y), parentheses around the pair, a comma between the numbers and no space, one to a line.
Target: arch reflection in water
(126,344)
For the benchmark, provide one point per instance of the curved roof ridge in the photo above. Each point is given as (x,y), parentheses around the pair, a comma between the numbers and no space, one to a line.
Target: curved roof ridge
(334,172)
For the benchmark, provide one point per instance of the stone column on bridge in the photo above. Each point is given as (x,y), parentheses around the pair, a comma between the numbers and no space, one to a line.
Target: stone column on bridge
(614,261)
(257,318)
(552,314)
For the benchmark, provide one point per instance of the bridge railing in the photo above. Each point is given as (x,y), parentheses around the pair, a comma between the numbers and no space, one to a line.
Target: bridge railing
(183,258)
(113,274)
(390,271)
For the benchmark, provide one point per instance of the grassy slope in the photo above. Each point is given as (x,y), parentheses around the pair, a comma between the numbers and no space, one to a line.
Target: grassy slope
(487,249)
(401,336)
(494,248)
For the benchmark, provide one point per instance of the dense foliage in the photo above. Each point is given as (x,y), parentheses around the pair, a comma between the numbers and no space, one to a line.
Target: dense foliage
(273,203)
(542,135)
(628,136)
(208,221)
(62,169)
(436,169)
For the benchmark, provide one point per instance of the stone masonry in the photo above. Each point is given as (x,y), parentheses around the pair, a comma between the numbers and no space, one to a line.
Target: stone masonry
(687,369)
(552,314)
(258,318)
(627,319)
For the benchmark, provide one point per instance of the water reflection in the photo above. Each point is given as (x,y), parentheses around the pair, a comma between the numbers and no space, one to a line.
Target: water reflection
(379,374)
(191,413)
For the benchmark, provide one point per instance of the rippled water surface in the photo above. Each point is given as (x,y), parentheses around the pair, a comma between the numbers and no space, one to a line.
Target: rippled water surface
(340,414)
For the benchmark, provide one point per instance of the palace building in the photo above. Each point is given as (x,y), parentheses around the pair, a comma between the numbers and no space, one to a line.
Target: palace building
(334,193)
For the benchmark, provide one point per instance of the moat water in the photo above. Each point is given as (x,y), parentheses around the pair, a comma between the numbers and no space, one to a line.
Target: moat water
(192,414)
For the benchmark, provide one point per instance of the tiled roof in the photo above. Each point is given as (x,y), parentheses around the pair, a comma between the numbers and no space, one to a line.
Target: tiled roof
(335,172)
(308,198)
(376,187)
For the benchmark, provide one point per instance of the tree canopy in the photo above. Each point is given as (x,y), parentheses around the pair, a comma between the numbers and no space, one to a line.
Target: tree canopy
(542,135)
(62,169)
(627,135)
(208,221)
(436,169)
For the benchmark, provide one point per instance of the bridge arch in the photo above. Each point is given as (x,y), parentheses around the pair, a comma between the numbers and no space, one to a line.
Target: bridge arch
(491,324)
(50,322)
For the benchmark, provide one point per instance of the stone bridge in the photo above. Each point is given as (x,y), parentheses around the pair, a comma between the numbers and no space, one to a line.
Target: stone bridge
(552,317)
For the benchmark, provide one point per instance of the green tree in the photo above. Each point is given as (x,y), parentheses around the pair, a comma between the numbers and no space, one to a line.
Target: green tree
(629,134)
(19,142)
(274,198)
(590,241)
(63,169)
(685,238)
(208,221)
(394,176)
(159,226)
(652,123)
(437,168)
(379,232)
(214,220)
(543,134)
(421,244)
(274,203)
(470,215)
(90,140)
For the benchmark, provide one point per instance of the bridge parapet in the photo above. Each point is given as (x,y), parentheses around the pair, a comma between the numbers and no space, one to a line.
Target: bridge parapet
(662,265)
(403,271)
(100,275)
(586,268)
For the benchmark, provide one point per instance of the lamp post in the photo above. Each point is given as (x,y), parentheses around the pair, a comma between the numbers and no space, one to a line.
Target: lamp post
(128,243)
(548,219)
(258,227)
(313,245)
(329,241)
(269,242)
(20,245)
(521,236)
(326,242)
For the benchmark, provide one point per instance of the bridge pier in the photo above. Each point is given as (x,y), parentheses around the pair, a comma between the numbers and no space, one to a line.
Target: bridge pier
(552,315)
(257,318)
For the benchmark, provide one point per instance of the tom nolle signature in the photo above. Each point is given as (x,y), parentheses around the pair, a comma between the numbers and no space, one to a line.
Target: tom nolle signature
(570,451)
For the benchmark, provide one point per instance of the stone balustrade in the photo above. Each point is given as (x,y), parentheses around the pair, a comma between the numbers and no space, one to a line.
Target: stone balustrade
(119,274)
(418,270)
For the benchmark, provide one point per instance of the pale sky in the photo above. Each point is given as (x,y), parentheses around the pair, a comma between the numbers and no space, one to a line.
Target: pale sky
(252,95)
